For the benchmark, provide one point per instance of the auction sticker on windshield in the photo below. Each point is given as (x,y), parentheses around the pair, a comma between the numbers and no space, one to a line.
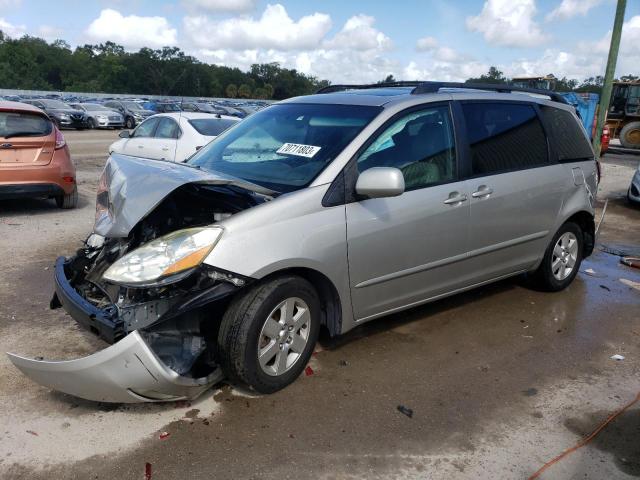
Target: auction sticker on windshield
(298,149)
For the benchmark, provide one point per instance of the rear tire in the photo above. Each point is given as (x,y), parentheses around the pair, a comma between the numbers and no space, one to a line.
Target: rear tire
(630,135)
(67,201)
(267,335)
(562,259)
(130,123)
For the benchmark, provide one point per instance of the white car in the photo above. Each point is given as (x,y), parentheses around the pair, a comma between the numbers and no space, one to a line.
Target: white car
(172,136)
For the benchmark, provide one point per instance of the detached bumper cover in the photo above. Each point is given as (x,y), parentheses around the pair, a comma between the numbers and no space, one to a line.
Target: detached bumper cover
(126,372)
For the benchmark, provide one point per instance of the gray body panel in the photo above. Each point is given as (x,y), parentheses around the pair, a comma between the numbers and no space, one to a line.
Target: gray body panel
(137,185)
(115,374)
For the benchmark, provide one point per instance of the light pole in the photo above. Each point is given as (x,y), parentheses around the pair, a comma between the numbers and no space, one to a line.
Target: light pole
(605,98)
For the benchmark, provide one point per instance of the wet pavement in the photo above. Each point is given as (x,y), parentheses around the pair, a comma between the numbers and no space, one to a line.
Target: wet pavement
(499,380)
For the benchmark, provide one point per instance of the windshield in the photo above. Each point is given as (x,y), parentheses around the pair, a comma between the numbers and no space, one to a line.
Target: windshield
(95,106)
(211,127)
(133,106)
(204,107)
(170,107)
(55,104)
(284,147)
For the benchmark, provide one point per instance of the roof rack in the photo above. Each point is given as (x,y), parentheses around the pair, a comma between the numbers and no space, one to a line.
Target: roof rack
(434,87)
(420,87)
(342,88)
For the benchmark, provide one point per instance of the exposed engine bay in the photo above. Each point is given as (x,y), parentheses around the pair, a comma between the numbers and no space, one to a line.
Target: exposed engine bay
(170,325)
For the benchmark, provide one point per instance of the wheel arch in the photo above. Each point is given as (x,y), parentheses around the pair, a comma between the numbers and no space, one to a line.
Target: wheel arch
(587,224)
(331,315)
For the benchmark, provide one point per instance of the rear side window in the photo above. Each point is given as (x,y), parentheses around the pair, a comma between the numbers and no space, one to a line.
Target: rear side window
(571,142)
(20,124)
(211,127)
(167,128)
(504,137)
(146,128)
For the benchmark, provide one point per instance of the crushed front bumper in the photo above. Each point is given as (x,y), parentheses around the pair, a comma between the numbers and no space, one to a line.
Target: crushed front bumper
(126,372)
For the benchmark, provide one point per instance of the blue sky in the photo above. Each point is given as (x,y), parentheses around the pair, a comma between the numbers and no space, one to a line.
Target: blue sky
(352,40)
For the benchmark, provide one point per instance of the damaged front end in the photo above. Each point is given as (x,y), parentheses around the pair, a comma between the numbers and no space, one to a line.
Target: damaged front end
(145,288)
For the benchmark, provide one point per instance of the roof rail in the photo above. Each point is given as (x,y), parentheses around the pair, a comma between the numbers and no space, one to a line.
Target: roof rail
(434,87)
(342,88)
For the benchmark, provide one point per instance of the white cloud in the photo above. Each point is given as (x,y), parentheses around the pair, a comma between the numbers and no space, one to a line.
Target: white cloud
(559,62)
(235,6)
(358,33)
(6,4)
(571,8)
(426,44)
(49,32)
(508,23)
(10,30)
(629,54)
(443,70)
(273,30)
(132,31)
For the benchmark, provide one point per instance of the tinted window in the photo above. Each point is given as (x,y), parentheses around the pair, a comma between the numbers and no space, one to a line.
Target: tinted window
(146,128)
(14,124)
(211,127)
(571,143)
(285,146)
(503,137)
(167,128)
(420,144)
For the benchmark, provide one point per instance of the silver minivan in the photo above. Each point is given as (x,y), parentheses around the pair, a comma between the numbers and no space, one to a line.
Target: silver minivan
(320,212)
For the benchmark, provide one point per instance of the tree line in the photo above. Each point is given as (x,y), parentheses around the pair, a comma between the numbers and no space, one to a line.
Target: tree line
(31,63)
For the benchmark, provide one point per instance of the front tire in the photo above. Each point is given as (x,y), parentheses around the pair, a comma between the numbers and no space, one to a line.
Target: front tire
(130,123)
(92,124)
(562,259)
(268,334)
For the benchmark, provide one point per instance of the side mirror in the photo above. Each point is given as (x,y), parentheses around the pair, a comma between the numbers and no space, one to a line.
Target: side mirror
(380,182)
(124,134)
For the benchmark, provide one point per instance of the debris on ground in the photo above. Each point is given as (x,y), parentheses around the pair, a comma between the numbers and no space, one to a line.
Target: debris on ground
(592,273)
(604,287)
(617,357)
(631,261)
(308,371)
(630,283)
(530,392)
(405,411)
(147,471)
(164,435)
(527,336)
(32,433)
(344,363)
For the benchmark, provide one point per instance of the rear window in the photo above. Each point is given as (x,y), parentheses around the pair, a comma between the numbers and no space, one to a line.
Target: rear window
(571,142)
(211,127)
(504,137)
(22,124)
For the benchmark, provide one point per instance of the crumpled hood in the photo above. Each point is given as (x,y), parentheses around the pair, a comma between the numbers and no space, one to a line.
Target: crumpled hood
(137,185)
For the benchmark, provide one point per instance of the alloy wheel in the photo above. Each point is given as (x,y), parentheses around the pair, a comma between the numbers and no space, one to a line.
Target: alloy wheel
(565,256)
(284,336)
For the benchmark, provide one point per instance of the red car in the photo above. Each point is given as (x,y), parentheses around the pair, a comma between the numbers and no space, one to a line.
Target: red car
(34,157)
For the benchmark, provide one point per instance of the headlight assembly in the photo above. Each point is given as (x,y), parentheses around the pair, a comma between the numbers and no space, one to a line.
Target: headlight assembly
(162,260)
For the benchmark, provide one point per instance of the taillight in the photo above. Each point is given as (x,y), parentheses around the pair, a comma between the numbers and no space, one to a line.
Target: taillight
(60,141)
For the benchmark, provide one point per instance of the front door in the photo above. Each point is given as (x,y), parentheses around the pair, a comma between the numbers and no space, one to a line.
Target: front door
(406,249)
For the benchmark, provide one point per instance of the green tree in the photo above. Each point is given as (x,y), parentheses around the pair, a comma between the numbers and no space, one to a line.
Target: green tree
(231,90)
(492,76)
(244,91)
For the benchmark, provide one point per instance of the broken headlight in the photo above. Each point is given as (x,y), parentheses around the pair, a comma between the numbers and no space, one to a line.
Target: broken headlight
(163,259)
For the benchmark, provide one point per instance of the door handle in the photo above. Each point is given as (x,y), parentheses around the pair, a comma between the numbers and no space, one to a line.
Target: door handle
(165,149)
(483,191)
(455,198)
(140,146)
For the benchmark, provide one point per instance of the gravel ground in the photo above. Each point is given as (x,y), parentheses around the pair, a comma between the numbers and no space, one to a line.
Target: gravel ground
(500,379)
